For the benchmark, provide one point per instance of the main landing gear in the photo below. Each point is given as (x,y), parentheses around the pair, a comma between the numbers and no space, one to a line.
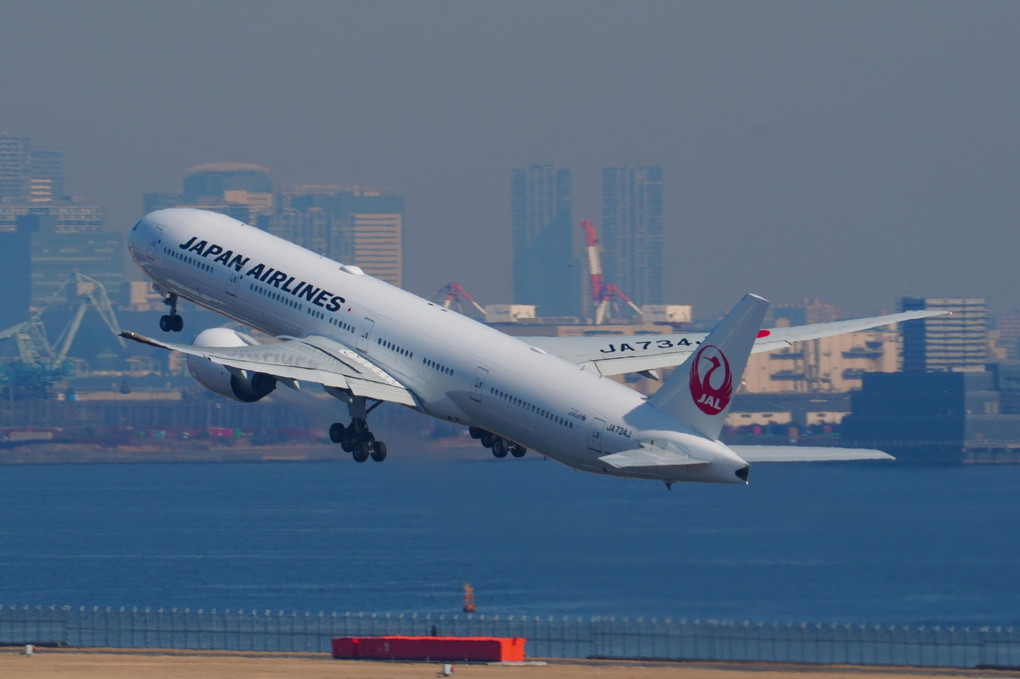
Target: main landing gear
(171,322)
(357,440)
(499,445)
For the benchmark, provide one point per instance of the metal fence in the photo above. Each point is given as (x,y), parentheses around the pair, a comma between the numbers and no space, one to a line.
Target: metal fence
(936,646)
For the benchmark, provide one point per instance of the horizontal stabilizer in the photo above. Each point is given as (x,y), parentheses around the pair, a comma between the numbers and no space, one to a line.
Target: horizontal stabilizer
(807,454)
(650,456)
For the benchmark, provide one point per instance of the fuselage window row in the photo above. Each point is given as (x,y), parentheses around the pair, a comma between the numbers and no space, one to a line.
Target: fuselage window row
(437,366)
(394,347)
(520,403)
(188,260)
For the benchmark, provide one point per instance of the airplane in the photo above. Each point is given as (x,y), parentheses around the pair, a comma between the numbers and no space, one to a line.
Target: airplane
(367,342)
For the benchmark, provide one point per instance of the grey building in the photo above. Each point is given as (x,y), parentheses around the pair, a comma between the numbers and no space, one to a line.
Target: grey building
(546,271)
(46,176)
(240,190)
(350,224)
(14,151)
(15,275)
(632,231)
(55,253)
(956,342)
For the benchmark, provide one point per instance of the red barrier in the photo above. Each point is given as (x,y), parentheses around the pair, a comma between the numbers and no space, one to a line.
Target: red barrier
(480,649)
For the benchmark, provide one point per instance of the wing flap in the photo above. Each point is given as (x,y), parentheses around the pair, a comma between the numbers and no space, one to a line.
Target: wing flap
(312,359)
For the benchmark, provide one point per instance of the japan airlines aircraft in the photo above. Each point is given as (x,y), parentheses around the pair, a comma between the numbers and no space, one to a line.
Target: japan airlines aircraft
(367,342)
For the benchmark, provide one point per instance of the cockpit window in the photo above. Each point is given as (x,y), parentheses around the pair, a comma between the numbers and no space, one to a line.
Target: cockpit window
(137,224)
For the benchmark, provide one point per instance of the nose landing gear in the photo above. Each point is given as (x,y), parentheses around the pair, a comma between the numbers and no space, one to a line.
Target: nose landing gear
(171,322)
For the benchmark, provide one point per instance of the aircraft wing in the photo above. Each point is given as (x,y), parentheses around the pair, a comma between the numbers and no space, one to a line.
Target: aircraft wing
(807,454)
(310,359)
(618,354)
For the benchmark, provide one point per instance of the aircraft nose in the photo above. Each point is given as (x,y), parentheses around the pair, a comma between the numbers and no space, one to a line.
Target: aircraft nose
(743,472)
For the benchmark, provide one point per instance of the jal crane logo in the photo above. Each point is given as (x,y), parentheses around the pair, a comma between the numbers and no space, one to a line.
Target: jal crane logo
(712,390)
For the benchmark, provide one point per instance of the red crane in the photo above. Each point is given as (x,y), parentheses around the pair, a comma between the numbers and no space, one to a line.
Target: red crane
(452,294)
(602,293)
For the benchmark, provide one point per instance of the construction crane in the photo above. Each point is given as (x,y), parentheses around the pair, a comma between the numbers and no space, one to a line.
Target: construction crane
(605,295)
(453,297)
(41,362)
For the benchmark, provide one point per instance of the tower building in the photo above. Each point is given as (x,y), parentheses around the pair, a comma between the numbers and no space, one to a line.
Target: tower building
(546,271)
(632,231)
(14,151)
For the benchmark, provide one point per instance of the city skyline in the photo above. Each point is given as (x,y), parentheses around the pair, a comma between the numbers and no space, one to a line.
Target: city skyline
(856,153)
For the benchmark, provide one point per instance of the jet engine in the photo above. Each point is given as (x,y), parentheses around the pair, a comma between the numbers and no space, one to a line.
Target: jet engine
(240,385)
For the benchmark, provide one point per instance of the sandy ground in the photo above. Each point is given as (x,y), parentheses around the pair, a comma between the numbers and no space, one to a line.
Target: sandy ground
(109,664)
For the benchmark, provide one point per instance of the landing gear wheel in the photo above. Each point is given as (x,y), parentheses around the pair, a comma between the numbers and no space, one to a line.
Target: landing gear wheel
(348,443)
(171,322)
(499,446)
(487,439)
(378,451)
(336,432)
(362,451)
(517,450)
(475,432)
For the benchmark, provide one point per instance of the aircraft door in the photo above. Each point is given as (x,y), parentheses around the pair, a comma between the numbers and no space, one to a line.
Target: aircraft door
(478,384)
(155,241)
(366,333)
(598,425)
(232,278)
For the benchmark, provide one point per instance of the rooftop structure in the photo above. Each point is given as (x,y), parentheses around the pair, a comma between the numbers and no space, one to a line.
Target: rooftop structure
(955,342)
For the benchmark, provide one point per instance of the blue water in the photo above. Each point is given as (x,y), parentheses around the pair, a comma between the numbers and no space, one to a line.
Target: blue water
(820,543)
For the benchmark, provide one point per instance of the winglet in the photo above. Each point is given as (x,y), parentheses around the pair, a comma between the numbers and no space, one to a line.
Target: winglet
(699,392)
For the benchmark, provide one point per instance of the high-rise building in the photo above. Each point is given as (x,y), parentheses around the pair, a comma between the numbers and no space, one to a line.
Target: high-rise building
(632,231)
(241,190)
(956,342)
(350,224)
(46,176)
(14,152)
(546,271)
(15,275)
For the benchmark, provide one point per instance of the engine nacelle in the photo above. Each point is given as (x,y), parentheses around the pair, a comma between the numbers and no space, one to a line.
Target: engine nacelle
(240,385)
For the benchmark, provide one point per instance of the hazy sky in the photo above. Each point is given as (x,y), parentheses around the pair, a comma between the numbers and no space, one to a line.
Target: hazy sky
(852,151)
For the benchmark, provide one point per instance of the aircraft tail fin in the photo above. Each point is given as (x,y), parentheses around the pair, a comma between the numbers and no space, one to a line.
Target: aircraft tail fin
(698,393)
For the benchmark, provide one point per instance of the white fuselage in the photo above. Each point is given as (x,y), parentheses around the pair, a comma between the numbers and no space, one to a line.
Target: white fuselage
(459,370)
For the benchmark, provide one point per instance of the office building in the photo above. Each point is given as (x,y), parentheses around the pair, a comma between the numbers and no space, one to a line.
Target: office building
(632,231)
(15,275)
(956,342)
(14,151)
(55,253)
(46,176)
(350,224)
(241,190)
(547,271)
